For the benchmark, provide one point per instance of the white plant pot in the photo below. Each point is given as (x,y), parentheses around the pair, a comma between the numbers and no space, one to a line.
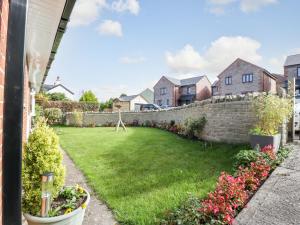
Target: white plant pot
(74,218)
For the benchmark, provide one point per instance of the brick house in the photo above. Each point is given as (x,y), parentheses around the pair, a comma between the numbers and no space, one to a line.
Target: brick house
(292,70)
(243,77)
(23,69)
(169,91)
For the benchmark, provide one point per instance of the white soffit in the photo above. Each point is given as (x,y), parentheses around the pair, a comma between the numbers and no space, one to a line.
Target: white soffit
(43,18)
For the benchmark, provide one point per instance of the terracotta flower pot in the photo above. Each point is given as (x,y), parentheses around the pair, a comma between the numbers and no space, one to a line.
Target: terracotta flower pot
(73,218)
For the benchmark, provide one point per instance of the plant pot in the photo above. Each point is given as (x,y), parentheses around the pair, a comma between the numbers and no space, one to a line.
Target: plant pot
(263,141)
(73,218)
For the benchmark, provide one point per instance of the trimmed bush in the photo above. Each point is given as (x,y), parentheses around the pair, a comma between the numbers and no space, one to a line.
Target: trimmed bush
(69,106)
(41,155)
(53,115)
(77,119)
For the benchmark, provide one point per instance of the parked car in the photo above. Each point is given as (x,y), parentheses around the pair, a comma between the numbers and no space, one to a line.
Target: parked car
(149,107)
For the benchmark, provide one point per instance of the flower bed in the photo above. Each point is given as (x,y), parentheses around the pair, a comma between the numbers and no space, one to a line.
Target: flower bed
(232,192)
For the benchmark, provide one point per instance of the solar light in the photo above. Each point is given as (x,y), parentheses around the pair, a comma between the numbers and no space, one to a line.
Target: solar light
(47,187)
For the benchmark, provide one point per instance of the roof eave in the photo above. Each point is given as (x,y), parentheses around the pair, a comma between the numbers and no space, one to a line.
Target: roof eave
(59,34)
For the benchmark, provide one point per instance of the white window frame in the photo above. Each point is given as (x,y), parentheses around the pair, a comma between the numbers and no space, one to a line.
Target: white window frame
(228,80)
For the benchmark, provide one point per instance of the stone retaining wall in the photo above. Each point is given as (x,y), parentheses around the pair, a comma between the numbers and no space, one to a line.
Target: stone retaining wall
(228,120)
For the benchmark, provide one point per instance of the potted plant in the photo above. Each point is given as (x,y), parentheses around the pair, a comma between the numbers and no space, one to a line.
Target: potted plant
(271,111)
(42,154)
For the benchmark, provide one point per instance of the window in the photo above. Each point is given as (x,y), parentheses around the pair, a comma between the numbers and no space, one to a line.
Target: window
(228,80)
(163,91)
(247,78)
(188,90)
(168,102)
(298,71)
(159,102)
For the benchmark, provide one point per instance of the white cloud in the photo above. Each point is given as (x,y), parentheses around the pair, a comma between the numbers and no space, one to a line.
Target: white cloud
(86,12)
(216,58)
(254,5)
(221,2)
(217,11)
(132,60)
(132,6)
(110,28)
(185,60)
(217,7)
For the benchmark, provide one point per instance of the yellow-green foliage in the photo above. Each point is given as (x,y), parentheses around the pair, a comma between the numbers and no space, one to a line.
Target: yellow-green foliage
(78,119)
(42,154)
(271,111)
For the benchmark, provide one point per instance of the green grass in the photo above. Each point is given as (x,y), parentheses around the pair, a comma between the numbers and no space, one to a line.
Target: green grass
(144,172)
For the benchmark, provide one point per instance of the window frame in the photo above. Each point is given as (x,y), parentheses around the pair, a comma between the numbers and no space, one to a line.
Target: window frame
(247,78)
(163,91)
(188,90)
(228,80)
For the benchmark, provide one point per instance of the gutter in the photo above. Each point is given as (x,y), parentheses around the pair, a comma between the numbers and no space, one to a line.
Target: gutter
(62,27)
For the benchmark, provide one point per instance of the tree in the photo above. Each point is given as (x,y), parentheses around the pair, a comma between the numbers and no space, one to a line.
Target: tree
(88,96)
(106,105)
(123,95)
(57,96)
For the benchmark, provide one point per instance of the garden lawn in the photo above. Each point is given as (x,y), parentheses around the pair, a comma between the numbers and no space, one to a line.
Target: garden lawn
(144,172)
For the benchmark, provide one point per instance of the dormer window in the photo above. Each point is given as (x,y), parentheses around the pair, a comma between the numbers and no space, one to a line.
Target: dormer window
(228,80)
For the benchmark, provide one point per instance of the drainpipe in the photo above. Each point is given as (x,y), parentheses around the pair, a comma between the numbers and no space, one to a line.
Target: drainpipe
(13,113)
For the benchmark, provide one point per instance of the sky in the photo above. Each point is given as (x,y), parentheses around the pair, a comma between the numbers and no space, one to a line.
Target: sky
(125,46)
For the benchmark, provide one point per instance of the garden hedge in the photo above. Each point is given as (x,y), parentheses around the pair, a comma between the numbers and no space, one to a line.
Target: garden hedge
(70,106)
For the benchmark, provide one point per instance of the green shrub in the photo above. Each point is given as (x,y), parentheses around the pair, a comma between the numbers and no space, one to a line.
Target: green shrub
(282,154)
(57,96)
(187,214)
(88,96)
(38,111)
(271,111)
(245,157)
(194,127)
(53,115)
(41,155)
(77,119)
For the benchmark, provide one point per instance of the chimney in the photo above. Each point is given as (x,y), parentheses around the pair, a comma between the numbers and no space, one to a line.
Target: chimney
(57,82)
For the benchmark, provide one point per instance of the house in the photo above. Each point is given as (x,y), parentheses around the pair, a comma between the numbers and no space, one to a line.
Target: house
(292,70)
(242,77)
(57,87)
(30,34)
(132,102)
(169,91)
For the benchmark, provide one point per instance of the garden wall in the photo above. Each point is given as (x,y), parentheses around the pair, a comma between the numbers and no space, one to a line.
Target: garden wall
(228,119)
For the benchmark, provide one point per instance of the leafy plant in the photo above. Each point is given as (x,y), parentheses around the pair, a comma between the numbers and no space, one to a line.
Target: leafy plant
(187,214)
(245,157)
(57,96)
(88,96)
(38,111)
(106,105)
(77,119)
(271,111)
(194,127)
(68,199)
(53,115)
(41,155)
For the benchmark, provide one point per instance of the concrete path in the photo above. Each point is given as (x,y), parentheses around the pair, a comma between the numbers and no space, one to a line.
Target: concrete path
(277,202)
(97,213)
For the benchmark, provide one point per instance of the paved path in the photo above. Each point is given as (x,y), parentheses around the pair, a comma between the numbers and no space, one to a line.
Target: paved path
(277,202)
(97,213)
